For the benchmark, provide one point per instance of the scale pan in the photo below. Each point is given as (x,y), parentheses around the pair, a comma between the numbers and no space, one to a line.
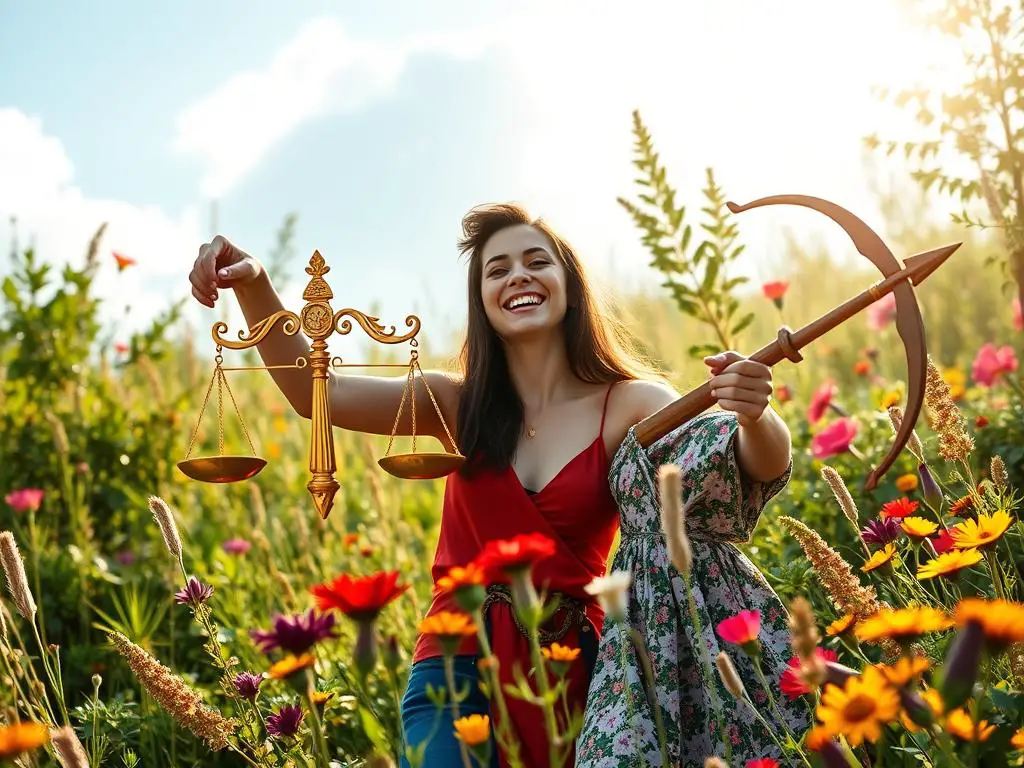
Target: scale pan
(421,466)
(222,469)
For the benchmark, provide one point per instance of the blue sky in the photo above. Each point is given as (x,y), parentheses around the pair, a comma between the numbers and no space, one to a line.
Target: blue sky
(381,124)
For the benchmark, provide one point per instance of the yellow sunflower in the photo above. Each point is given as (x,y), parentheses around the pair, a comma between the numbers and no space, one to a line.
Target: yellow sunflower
(840,625)
(949,563)
(985,531)
(902,624)
(918,527)
(1002,621)
(879,558)
(860,708)
(959,723)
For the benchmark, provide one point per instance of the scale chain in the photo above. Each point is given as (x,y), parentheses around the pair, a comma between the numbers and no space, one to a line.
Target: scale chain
(220,378)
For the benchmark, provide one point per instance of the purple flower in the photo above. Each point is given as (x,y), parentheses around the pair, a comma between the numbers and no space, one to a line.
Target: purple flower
(881,531)
(295,635)
(285,722)
(247,685)
(194,593)
(125,557)
(236,546)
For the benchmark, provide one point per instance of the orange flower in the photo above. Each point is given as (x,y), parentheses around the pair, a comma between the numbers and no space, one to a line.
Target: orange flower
(906,483)
(123,261)
(1002,621)
(879,558)
(862,367)
(473,730)
(906,670)
(902,624)
(361,599)
(840,625)
(290,665)
(457,576)
(961,505)
(901,507)
(15,739)
(560,652)
(448,624)
(449,628)
(959,723)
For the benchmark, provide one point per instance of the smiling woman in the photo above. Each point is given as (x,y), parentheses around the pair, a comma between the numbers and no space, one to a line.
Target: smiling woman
(548,392)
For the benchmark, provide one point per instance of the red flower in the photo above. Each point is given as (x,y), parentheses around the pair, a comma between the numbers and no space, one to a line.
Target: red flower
(503,557)
(123,261)
(981,422)
(776,291)
(1018,316)
(742,628)
(24,499)
(359,598)
(902,507)
(783,393)
(763,762)
(943,542)
(820,401)
(862,367)
(834,439)
(991,363)
(791,683)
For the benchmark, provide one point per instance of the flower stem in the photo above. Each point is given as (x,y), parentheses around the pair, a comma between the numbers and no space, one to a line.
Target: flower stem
(645,662)
(503,732)
(449,674)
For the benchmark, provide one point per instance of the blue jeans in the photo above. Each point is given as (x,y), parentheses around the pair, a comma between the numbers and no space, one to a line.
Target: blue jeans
(421,720)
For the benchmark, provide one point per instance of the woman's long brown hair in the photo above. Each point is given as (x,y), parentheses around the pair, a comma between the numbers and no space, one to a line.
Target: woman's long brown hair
(490,412)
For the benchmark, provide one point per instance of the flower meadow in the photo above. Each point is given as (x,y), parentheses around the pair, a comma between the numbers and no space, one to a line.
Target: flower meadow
(908,649)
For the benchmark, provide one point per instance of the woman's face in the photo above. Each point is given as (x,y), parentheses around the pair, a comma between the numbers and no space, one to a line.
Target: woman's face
(523,283)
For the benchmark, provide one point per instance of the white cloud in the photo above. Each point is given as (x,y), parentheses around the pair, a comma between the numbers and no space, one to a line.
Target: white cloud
(322,68)
(37,187)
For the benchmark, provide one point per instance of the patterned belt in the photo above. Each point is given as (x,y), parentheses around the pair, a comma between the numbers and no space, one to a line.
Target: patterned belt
(575,613)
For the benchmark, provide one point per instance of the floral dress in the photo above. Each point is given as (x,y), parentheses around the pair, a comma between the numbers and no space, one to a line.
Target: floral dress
(722,508)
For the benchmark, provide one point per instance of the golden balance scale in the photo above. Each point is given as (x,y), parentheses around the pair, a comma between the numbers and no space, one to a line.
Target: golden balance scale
(318,321)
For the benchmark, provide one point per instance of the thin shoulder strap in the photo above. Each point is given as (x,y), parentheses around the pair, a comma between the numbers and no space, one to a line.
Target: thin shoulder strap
(604,409)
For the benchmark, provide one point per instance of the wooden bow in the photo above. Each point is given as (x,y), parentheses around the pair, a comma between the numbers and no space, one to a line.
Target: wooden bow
(897,279)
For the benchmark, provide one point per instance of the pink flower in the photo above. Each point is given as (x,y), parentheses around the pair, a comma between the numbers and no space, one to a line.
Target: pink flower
(236,546)
(834,439)
(763,762)
(991,363)
(1018,317)
(791,683)
(820,401)
(882,312)
(742,628)
(24,499)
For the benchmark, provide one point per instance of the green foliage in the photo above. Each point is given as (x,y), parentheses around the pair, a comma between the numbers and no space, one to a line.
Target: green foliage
(981,120)
(696,278)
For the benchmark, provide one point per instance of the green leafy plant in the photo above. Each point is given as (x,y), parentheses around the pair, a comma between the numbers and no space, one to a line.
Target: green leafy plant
(980,120)
(696,274)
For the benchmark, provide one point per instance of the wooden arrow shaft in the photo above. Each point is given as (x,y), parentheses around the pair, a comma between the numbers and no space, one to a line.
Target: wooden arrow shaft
(787,345)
